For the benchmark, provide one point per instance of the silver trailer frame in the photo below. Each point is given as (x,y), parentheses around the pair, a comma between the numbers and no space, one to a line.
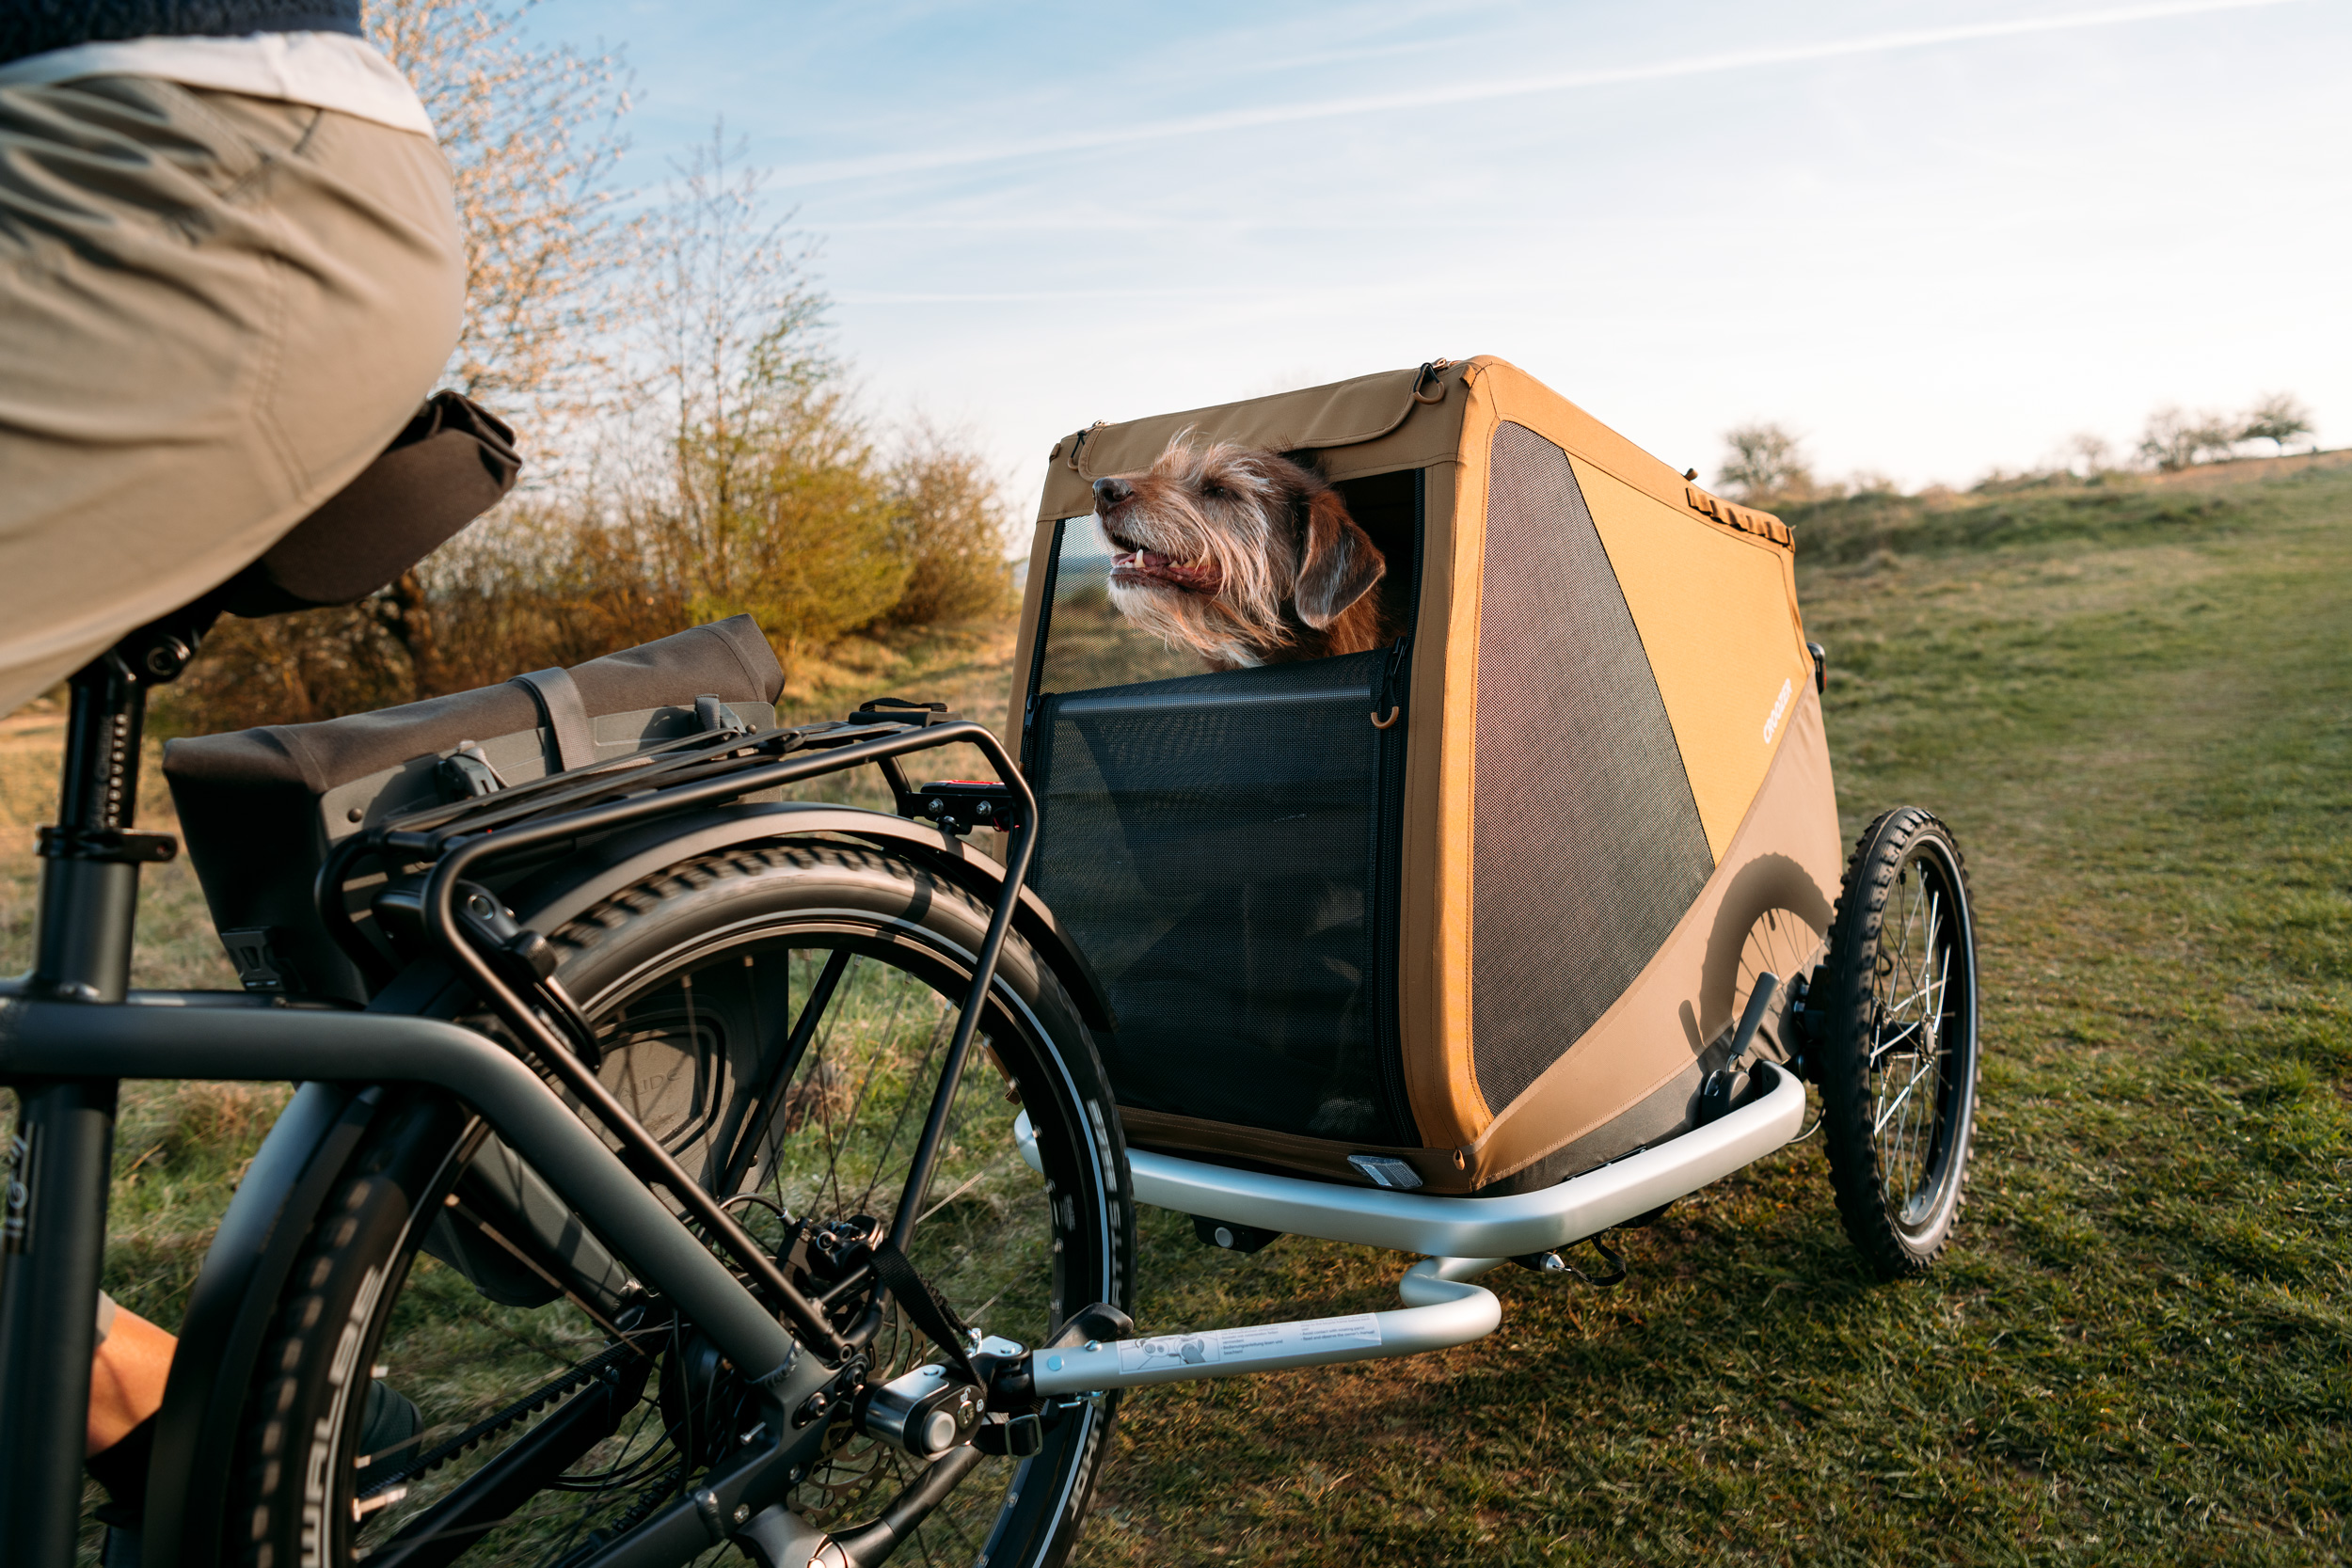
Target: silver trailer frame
(1464,1237)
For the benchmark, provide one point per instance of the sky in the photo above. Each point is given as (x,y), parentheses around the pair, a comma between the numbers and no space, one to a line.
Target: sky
(1931,237)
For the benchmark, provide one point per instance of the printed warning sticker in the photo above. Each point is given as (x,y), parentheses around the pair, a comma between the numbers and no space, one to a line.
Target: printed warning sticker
(1218,1346)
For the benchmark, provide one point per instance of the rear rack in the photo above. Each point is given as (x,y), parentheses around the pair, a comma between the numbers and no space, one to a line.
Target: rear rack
(446,848)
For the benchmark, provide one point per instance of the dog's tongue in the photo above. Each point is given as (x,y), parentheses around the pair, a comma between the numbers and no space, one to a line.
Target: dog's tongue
(1167,569)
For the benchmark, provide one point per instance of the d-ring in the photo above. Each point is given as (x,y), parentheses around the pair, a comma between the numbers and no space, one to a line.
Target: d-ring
(1394,714)
(1430,372)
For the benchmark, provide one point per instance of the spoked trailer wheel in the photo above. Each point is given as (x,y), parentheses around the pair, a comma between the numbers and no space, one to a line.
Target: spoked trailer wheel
(1894,1007)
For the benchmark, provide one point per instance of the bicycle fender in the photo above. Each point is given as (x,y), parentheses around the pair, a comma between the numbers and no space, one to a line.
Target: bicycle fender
(228,1315)
(602,867)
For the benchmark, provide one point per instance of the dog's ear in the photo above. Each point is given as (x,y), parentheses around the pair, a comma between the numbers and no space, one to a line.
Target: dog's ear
(1340,563)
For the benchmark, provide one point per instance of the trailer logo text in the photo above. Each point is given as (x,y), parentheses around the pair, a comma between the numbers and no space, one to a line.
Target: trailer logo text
(1779,707)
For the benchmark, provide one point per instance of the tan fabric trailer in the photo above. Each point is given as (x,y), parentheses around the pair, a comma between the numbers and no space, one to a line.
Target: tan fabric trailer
(1489,901)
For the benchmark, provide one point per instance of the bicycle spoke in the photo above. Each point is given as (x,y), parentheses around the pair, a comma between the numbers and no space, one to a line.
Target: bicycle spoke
(833,1157)
(1910,986)
(916,1079)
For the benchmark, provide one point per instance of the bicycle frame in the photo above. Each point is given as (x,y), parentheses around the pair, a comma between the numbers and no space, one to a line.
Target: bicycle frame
(71,1030)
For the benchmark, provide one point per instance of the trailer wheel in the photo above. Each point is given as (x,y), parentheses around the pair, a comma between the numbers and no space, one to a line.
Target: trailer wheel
(1897,1004)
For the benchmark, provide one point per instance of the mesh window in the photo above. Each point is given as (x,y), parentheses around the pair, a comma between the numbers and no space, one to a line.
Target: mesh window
(1210,842)
(1588,844)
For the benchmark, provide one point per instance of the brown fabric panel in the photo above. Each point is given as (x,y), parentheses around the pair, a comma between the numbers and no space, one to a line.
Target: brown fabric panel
(1448,999)
(1025,646)
(1785,860)
(1663,1113)
(1437,1080)
(1217,1142)
(1376,416)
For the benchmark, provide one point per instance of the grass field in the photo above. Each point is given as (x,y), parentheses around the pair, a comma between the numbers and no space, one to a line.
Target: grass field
(2136,710)
(2133,705)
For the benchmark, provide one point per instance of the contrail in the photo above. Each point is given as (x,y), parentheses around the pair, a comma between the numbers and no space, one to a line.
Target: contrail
(1425,98)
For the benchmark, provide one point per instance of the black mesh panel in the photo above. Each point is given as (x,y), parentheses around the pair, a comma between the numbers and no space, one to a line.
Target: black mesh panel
(1587,844)
(1208,841)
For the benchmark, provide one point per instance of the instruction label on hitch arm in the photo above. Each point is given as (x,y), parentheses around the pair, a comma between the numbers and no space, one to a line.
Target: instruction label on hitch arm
(1217,1346)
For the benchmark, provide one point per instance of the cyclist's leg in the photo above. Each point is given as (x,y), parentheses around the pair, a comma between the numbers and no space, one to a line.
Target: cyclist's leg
(126,1383)
(214,310)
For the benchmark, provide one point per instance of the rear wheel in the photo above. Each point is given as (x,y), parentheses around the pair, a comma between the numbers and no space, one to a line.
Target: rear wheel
(1896,1001)
(779,1016)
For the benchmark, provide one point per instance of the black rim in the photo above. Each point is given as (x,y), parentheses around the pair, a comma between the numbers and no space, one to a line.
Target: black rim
(1919,1064)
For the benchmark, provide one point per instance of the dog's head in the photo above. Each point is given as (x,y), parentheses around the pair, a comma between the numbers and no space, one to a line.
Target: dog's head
(1239,555)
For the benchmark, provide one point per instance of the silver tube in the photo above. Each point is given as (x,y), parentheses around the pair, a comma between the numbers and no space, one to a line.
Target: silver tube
(1443,1227)
(1442,1309)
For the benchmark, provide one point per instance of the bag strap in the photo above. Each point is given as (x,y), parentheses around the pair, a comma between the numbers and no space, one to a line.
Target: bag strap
(566,716)
(924,1306)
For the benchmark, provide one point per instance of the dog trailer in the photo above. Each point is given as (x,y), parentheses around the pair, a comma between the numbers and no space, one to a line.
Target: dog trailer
(1475,913)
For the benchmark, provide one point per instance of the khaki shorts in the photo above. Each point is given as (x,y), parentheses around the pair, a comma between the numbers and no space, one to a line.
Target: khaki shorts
(214,310)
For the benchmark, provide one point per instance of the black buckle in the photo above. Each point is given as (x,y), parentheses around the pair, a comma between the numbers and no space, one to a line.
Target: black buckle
(111,846)
(258,967)
(898,710)
(960,805)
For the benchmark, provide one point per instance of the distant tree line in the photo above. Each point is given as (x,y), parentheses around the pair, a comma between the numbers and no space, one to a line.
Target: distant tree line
(2173,439)
(695,447)
(1764,464)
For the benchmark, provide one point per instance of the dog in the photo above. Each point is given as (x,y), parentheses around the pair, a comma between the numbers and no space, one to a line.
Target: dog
(1241,556)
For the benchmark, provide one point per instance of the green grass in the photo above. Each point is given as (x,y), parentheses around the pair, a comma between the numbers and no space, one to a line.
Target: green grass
(2133,704)
(2137,717)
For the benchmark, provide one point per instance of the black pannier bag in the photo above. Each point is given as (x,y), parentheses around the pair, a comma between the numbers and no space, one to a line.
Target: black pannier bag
(262,809)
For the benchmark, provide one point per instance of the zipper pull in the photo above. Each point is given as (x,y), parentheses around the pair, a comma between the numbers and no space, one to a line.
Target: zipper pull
(1385,711)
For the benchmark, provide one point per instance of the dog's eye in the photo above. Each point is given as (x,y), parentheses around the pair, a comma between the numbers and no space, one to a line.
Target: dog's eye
(1213,489)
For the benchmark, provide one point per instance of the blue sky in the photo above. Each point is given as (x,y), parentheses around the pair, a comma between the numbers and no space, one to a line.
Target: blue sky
(1930,237)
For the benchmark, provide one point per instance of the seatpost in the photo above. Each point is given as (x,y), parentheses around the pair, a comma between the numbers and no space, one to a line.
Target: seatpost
(53,1230)
(90,871)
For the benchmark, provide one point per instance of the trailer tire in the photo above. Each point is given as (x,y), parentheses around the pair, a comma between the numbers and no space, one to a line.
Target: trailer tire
(1897,1004)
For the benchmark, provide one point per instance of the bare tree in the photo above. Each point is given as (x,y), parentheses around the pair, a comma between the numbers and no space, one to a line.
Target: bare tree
(2277,418)
(533,135)
(1764,462)
(2173,439)
(2091,452)
(769,498)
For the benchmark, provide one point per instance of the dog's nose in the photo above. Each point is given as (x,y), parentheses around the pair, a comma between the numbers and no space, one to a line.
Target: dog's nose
(1110,492)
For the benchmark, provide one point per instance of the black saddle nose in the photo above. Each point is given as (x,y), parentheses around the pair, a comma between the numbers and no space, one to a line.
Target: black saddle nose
(1110,492)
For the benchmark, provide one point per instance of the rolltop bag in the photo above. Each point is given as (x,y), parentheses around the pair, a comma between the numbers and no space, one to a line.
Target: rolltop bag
(262,809)
(1474,912)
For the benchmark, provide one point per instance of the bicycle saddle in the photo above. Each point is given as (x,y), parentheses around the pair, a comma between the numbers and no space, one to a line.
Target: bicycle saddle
(447,466)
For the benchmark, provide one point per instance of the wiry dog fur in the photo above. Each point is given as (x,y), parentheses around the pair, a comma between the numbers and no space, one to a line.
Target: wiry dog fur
(1241,556)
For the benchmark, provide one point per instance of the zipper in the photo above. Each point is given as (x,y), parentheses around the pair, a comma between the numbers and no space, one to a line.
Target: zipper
(1389,691)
